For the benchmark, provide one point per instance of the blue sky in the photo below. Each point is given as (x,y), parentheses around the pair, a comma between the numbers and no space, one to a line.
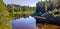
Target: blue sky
(22,2)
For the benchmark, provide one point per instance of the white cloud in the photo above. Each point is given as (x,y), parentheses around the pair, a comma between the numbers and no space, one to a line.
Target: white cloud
(22,2)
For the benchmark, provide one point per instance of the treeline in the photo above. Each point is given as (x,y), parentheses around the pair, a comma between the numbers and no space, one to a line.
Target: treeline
(16,11)
(19,8)
(6,15)
(51,7)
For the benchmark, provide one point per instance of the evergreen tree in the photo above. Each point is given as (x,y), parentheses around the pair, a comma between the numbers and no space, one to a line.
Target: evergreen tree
(50,8)
(40,8)
(58,4)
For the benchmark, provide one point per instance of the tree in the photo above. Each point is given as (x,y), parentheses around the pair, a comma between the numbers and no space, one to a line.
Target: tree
(58,4)
(50,8)
(4,19)
(24,7)
(39,9)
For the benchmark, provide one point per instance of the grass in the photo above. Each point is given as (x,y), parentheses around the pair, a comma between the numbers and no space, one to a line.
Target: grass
(19,14)
(26,12)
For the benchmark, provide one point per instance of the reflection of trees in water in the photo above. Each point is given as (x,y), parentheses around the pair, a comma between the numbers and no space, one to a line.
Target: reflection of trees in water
(47,26)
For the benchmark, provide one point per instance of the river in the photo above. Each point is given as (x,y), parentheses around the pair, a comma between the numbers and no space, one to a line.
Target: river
(24,23)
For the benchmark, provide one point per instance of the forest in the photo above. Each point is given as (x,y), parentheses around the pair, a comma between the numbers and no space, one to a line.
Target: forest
(12,11)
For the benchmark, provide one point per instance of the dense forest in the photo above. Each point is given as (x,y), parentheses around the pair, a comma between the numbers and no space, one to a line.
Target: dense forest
(13,11)
(17,11)
(50,7)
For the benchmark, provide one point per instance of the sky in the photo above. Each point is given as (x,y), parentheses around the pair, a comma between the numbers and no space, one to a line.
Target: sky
(24,23)
(22,2)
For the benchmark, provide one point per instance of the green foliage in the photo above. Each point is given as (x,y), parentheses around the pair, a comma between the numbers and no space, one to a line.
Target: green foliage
(15,11)
(4,17)
(18,8)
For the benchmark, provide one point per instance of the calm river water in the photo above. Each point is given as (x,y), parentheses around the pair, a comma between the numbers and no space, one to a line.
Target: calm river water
(24,23)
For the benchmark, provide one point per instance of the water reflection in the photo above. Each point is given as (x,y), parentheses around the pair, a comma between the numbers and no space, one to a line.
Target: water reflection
(24,23)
